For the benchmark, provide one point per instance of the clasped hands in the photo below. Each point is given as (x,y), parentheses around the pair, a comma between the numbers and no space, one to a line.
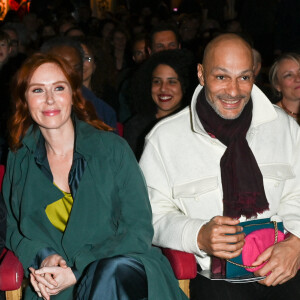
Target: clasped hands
(53,276)
(223,238)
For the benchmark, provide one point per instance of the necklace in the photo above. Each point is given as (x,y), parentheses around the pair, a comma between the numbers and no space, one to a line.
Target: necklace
(288,111)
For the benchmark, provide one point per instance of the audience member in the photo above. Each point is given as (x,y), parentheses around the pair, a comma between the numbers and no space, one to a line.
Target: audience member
(17,34)
(256,62)
(89,65)
(139,55)
(139,49)
(14,39)
(98,71)
(47,31)
(285,80)
(5,48)
(160,88)
(7,70)
(189,30)
(31,24)
(77,205)
(83,15)
(164,36)
(65,23)
(74,32)
(71,50)
(229,157)
(107,27)
(261,76)
(120,53)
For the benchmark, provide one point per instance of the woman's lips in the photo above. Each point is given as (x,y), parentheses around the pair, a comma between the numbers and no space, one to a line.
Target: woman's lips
(164,98)
(51,113)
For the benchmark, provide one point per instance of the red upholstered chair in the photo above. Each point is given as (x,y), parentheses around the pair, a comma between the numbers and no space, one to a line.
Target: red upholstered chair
(120,129)
(184,267)
(11,270)
(2,171)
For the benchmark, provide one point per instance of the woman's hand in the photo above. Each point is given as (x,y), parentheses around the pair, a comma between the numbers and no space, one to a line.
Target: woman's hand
(54,260)
(40,284)
(63,277)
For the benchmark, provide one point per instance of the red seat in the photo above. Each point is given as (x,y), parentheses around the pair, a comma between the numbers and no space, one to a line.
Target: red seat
(11,270)
(183,264)
(120,129)
(2,171)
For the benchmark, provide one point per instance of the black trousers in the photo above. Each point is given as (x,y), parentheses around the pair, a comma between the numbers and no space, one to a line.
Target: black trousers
(2,295)
(202,288)
(115,278)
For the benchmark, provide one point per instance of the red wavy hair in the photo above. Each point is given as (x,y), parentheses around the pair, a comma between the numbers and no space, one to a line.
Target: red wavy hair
(21,120)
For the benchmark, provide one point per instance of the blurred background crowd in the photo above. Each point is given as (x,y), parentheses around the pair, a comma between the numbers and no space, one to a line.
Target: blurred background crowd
(118,37)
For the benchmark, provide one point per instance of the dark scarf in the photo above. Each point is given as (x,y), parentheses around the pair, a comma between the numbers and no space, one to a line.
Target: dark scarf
(242,181)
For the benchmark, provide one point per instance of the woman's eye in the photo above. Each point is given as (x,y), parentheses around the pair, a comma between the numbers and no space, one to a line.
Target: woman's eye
(38,90)
(287,75)
(59,88)
(173,81)
(155,81)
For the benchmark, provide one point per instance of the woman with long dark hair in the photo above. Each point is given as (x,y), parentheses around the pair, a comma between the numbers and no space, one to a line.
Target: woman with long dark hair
(160,88)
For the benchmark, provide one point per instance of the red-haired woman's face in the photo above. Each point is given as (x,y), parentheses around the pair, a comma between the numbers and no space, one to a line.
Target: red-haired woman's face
(49,97)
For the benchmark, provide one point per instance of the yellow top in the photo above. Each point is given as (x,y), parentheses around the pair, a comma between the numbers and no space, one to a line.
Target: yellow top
(59,211)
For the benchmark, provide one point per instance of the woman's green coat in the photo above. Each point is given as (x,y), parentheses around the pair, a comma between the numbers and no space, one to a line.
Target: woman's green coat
(111,214)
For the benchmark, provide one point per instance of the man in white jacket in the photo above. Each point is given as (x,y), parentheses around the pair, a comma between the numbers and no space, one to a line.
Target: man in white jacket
(230,157)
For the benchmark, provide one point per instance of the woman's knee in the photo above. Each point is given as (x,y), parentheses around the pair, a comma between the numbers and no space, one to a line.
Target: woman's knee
(122,276)
(120,267)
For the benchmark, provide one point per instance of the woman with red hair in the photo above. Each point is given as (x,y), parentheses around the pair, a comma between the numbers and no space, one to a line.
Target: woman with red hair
(78,215)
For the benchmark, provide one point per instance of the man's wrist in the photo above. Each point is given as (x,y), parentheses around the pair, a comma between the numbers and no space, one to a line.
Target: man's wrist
(293,238)
(199,239)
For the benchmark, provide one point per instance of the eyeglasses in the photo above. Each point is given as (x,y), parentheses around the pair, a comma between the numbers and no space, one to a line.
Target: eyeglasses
(87,58)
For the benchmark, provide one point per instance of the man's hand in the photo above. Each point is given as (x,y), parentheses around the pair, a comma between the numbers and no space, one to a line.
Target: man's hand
(283,262)
(220,237)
